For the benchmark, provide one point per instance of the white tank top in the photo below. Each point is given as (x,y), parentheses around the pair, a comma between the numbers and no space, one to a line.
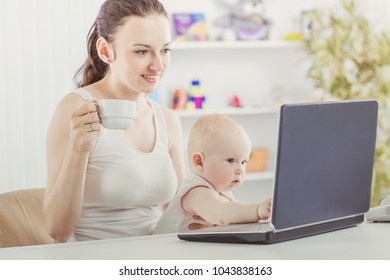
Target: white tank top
(124,187)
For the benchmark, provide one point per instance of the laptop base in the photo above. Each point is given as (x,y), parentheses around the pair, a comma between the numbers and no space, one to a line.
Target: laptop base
(271,237)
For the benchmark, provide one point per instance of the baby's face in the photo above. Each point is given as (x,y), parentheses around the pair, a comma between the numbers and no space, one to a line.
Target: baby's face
(224,164)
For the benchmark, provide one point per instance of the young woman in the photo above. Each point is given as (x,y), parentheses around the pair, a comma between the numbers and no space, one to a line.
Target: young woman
(106,183)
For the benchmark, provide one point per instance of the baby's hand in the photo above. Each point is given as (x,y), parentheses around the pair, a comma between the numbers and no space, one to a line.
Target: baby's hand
(264,209)
(199,225)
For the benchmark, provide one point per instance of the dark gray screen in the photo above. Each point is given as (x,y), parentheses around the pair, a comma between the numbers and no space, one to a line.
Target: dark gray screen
(325,161)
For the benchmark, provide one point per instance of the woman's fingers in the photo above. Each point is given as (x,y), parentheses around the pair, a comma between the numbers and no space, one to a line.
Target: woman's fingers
(90,106)
(93,126)
(91,121)
(86,116)
(85,125)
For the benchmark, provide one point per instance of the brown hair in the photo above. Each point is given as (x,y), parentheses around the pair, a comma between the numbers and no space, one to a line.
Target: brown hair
(111,16)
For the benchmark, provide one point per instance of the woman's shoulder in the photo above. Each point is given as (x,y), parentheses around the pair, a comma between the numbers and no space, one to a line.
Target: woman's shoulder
(70,101)
(170,116)
(72,97)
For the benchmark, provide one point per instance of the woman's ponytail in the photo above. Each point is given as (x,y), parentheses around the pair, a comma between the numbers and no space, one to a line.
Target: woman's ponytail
(93,68)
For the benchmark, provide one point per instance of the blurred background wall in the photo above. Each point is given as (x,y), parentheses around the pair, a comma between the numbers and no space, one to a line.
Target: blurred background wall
(43,42)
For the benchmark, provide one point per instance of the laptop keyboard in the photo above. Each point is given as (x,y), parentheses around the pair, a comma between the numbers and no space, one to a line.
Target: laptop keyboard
(250,227)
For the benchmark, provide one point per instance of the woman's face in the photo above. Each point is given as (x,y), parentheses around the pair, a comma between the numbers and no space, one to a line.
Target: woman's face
(142,53)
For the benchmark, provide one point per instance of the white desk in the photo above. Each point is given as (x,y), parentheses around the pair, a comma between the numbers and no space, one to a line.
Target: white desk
(366,241)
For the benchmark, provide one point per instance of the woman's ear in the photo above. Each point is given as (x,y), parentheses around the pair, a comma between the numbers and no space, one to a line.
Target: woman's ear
(104,50)
(197,161)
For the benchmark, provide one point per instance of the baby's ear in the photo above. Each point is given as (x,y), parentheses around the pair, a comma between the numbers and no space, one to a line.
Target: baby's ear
(197,161)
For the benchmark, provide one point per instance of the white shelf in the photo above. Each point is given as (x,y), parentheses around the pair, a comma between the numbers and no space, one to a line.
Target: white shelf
(208,45)
(259,176)
(228,111)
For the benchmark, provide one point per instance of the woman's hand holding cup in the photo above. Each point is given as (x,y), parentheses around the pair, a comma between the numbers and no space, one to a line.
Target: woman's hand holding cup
(85,126)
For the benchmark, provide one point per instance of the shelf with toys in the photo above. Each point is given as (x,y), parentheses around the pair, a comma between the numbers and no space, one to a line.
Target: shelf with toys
(255,72)
(231,111)
(242,78)
(209,45)
(242,73)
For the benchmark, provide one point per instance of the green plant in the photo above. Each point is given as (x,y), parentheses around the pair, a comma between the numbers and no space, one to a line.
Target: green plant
(351,61)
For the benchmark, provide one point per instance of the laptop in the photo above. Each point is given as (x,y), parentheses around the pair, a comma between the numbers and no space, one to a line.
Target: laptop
(323,174)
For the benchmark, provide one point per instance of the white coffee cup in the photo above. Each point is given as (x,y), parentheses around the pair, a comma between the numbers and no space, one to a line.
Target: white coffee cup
(116,113)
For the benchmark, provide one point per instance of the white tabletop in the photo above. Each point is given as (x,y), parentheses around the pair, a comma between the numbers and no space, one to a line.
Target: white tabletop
(366,241)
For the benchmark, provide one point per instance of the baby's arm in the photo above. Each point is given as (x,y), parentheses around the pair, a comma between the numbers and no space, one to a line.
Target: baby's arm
(207,204)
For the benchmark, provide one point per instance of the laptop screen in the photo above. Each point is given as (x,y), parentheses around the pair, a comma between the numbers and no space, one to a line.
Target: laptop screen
(324,162)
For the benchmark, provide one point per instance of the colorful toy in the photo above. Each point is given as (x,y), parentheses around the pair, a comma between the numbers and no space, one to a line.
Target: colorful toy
(293,36)
(189,27)
(179,99)
(258,160)
(235,101)
(196,99)
(243,21)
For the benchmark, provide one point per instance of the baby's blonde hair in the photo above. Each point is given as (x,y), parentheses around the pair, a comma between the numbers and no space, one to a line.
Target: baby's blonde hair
(206,130)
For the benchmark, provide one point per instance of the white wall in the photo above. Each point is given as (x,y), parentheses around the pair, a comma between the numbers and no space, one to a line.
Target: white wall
(43,43)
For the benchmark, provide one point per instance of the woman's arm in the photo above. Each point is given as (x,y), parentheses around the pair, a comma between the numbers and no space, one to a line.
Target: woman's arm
(69,141)
(207,204)
(175,140)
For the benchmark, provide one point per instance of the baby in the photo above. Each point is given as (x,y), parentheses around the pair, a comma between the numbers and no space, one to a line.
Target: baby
(218,149)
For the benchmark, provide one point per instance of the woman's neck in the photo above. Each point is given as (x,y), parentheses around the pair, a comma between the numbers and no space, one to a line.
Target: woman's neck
(110,89)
